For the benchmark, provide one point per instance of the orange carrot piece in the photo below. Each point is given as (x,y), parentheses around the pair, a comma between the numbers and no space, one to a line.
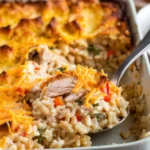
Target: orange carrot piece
(58,102)
(24,134)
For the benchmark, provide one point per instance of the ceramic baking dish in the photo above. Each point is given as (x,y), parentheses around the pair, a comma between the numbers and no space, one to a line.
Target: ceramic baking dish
(111,140)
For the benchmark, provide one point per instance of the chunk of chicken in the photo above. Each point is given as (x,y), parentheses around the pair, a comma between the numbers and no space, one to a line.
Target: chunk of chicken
(74,96)
(59,85)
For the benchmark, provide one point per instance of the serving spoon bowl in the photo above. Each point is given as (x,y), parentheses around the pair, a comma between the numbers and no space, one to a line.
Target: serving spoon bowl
(136,53)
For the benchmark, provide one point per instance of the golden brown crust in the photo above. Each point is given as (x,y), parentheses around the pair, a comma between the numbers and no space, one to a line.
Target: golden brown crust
(73,27)
(29,25)
(53,25)
(5,30)
(61,21)
(3,75)
(25,22)
(76,7)
(111,11)
(5,50)
(61,4)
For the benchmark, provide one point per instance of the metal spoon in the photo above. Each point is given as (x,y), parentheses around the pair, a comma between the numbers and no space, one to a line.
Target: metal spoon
(137,52)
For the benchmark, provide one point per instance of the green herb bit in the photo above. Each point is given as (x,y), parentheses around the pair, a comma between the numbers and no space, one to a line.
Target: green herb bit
(62,69)
(40,138)
(139,83)
(100,116)
(95,105)
(51,48)
(79,101)
(41,131)
(93,49)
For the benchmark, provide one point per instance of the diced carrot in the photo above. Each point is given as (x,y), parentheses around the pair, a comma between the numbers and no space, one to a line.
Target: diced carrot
(58,102)
(24,134)
(79,117)
(37,68)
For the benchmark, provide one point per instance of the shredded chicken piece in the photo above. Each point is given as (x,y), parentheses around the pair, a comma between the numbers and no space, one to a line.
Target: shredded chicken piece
(59,85)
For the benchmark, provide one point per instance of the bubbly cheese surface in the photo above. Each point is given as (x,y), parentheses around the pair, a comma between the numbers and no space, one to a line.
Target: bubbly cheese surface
(56,22)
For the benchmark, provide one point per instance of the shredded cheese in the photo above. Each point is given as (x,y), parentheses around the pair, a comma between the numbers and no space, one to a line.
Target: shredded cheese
(19,80)
(90,79)
(2,142)
(16,114)
(13,88)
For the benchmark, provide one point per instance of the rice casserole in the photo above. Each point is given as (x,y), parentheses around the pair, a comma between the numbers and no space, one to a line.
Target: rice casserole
(55,57)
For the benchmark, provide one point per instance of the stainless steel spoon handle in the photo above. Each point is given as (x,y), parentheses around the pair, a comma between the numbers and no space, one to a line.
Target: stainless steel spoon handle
(137,52)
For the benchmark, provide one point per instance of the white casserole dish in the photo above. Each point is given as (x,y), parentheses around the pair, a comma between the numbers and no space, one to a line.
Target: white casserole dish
(105,140)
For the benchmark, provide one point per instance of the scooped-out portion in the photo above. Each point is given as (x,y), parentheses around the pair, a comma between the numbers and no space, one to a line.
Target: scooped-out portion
(75,103)
(64,108)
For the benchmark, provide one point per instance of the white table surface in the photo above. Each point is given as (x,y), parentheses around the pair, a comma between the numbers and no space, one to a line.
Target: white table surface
(143,19)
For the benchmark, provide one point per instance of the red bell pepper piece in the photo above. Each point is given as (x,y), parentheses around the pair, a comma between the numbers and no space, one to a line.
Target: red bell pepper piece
(79,117)
(106,90)
(19,89)
(107,98)
(110,53)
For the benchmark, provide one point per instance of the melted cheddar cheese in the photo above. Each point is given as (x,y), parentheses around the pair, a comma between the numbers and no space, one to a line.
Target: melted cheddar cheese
(57,22)
(92,81)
